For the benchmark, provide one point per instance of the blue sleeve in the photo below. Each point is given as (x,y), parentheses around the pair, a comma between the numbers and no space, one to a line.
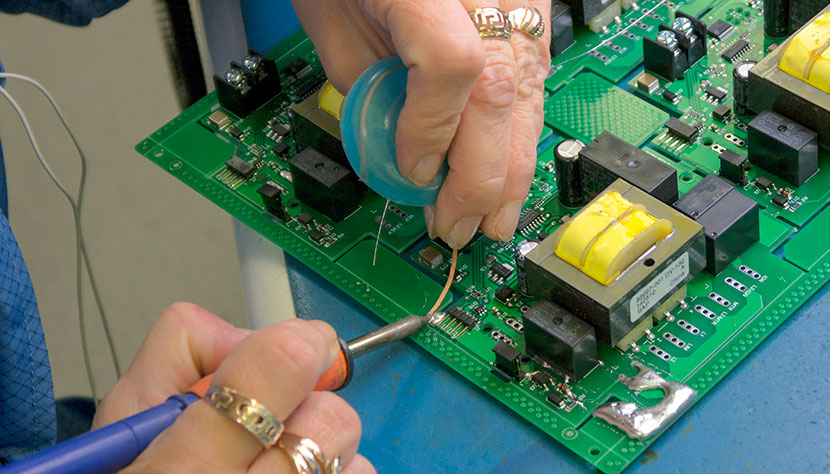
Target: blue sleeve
(268,22)
(70,12)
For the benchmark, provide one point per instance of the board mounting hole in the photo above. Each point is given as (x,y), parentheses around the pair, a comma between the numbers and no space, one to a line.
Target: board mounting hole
(487,328)
(649,262)
(708,141)
(686,177)
(594,452)
(293,204)
(525,359)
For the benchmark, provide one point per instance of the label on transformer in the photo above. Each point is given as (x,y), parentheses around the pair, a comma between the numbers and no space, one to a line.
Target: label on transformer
(651,294)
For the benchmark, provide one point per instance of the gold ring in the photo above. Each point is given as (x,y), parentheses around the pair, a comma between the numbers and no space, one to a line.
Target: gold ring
(249,413)
(307,456)
(528,20)
(492,22)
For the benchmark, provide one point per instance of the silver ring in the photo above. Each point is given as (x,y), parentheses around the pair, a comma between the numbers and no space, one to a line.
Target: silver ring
(492,22)
(252,415)
(528,20)
(307,456)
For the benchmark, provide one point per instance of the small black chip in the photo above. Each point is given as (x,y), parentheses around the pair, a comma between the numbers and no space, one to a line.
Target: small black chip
(305,218)
(735,51)
(240,167)
(780,200)
(716,93)
(719,30)
(501,270)
(507,358)
(722,113)
(505,294)
(527,219)
(236,132)
(556,400)
(670,96)
(316,236)
(763,183)
(541,378)
(681,130)
(298,68)
(271,194)
(281,149)
(280,130)
(543,235)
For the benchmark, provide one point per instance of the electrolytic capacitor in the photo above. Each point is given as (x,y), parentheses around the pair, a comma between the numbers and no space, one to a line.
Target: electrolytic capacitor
(776,18)
(568,181)
(522,249)
(740,87)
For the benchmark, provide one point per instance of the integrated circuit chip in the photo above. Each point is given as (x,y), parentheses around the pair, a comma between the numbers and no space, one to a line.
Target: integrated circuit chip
(719,30)
(505,294)
(526,219)
(722,113)
(734,52)
(716,93)
(235,132)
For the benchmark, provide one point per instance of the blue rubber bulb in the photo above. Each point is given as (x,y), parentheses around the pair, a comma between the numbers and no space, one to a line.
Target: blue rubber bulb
(368,122)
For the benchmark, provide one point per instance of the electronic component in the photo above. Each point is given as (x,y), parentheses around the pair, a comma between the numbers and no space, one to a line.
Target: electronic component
(561,339)
(722,113)
(541,379)
(305,218)
(507,358)
(681,130)
(599,23)
(279,130)
(431,257)
(527,219)
(240,167)
(522,249)
(307,88)
(297,68)
(740,86)
(783,147)
(776,18)
(568,179)
(671,96)
(462,316)
(328,187)
(716,94)
(219,119)
(505,294)
(561,28)
(735,51)
(733,167)
(763,183)
(643,423)
(676,48)
(583,11)
(780,200)
(772,88)
(316,236)
(271,194)
(719,30)
(608,157)
(235,132)
(648,83)
(730,220)
(244,87)
(631,269)
(281,149)
(806,57)
(500,271)
(556,400)
(316,128)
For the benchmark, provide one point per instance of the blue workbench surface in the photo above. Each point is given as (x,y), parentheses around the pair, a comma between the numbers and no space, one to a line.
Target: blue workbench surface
(770,414)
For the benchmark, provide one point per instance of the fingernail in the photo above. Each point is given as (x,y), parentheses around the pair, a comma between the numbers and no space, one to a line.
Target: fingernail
(429,217)
(425,170)
(463,231)
(506,220)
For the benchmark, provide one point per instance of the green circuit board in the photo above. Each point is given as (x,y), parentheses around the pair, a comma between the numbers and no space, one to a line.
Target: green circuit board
(585,94)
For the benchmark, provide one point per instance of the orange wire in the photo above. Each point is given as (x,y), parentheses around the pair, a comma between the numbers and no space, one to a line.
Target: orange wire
(448,284)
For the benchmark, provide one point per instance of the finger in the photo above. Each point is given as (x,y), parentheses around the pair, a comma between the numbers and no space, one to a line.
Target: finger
(359,465)
(185,343)
(324,418)
(532,62)
(479,153)
(277,366)
(438,43)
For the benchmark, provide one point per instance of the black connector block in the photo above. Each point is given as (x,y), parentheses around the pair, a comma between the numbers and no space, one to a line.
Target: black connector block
(671,62)
(608,157)
(327,186)
(271,194)
(257,85)
(730,220)
(507,359)
(733,167)
(783,147)
(561,339)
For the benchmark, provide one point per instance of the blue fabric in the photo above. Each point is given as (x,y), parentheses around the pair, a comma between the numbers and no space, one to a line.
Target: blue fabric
(70,12)
(268,23)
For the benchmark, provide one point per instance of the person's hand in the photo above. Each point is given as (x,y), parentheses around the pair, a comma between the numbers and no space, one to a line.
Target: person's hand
(277,366)
(481,100)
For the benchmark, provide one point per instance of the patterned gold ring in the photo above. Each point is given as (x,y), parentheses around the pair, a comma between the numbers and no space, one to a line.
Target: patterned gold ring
(307,456)
(249,413)
(528,20)
(492,22)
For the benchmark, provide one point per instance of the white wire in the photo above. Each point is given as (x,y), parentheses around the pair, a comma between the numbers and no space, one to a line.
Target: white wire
(76,205)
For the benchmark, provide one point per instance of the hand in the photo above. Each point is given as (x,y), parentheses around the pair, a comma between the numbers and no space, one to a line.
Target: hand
(278,366)
(477,101)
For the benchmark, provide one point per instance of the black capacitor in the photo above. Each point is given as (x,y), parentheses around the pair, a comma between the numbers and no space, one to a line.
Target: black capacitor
(568,180)
(522,249)
(740,87)
(777,18)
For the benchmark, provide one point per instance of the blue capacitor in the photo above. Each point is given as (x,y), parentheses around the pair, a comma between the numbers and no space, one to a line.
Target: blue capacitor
(368,124)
